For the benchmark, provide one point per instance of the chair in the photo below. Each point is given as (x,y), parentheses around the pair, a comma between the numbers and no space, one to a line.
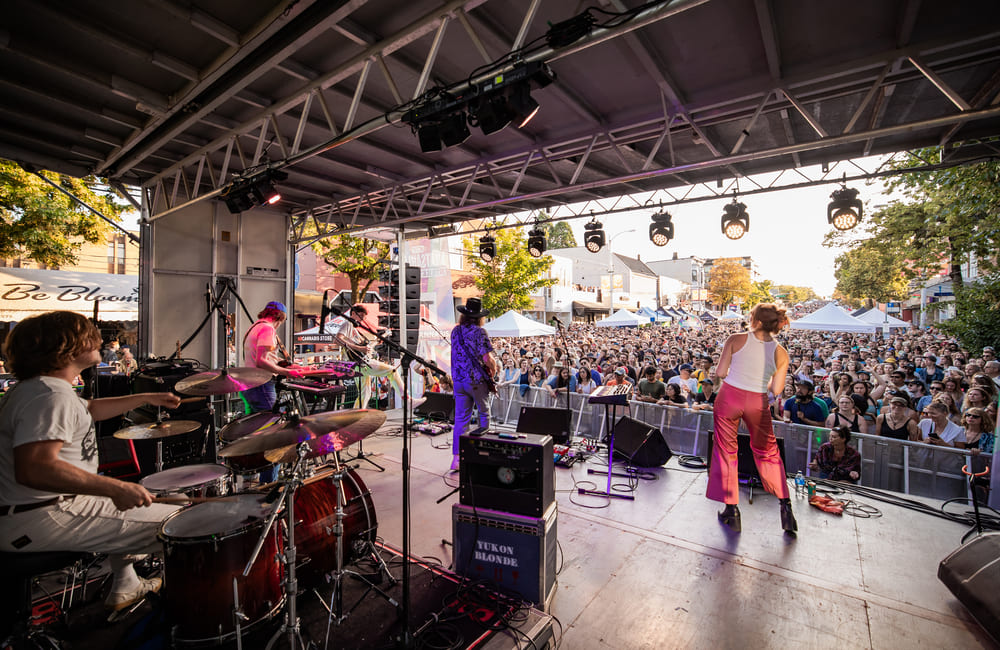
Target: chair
(20,571)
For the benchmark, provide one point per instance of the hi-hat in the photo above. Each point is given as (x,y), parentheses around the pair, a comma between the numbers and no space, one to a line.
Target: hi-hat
(291,432)
(220,382)
(339,438)
(157,430)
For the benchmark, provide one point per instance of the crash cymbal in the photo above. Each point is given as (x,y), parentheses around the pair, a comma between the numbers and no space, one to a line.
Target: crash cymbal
(157,430)
(283,433)
(340,438)
(220,382)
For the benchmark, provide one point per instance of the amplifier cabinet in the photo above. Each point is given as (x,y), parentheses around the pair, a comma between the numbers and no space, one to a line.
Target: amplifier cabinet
(507,472)
(516,552)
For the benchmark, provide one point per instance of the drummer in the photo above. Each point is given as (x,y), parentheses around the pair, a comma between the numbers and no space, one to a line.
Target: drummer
(51,496)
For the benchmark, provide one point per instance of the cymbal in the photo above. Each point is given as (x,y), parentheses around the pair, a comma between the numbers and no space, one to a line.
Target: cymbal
(291,432)
(220,382)
(157,430)
(340,438)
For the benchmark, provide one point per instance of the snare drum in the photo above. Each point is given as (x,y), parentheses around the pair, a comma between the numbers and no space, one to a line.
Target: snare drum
(246,426)
(315,514)
(205,547)
(206,480)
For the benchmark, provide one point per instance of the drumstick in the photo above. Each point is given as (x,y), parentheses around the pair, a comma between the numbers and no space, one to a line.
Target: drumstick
(183,499)
(186,400)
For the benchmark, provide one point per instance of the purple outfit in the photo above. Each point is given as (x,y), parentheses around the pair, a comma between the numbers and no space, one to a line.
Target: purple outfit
(469,344)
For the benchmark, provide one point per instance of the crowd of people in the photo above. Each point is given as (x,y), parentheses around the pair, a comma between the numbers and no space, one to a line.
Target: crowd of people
(917,385)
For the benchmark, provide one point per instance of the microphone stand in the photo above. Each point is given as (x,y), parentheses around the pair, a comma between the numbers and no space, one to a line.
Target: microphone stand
(407,358)
(569,411)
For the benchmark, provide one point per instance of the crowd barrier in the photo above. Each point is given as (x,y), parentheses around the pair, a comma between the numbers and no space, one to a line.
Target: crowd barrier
(912,468)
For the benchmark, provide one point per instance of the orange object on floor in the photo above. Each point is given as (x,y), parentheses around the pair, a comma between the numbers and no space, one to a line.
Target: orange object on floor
(826,504)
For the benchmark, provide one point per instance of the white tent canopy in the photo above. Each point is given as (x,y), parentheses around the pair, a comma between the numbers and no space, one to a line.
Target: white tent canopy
(514,324)
(731,315)
(621,318)
(650,315)
(832,318)
(879,318)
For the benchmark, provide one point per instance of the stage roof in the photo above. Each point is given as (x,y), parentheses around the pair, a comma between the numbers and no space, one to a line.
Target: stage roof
(177,96)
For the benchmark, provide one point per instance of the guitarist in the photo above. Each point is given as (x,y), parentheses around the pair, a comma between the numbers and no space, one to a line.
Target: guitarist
(472,369)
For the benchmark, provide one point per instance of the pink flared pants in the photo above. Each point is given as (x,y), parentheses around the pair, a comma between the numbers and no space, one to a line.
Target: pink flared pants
(732,405)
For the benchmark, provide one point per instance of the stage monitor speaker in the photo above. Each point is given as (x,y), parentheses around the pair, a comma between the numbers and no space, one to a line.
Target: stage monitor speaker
(746,467)
(504,472)
(972,573)
(514,551)
(553,422)
(640,444)
(437,406)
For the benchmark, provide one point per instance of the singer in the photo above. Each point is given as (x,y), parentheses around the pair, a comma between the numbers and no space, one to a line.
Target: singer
(754,367)
(472,369)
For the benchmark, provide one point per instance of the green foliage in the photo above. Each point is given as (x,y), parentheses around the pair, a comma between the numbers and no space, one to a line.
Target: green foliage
(792,294)
(977,322)
(356,257)
(729,282)
(871,272)
(41,223)
(559,235)
(759,292)
(509,280)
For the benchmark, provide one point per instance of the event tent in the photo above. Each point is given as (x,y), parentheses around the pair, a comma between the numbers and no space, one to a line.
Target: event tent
(650,315)
(621,318)
(731,315)
(707,317)
(878,318)
(512,323)
(832,318)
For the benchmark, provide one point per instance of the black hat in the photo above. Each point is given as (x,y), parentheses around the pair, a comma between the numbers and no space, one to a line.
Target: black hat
(473,308)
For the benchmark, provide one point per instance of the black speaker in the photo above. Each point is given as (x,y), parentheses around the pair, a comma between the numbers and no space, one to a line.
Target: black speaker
(640,444)
(746,467)
(438,406)
(553,422)
(971,573)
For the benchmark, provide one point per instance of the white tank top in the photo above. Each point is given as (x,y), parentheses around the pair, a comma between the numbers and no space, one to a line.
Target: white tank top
(752,365)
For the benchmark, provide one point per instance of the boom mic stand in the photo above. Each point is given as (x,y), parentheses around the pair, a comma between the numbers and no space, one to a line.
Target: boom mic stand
(407,357)
(569,411)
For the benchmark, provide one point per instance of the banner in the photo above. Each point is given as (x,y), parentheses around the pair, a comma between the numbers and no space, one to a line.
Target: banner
(25,292)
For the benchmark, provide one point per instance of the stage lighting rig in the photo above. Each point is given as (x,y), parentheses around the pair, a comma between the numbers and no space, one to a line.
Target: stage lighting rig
(735,220)
(593,236)
(250,191)
(845,210)
(536,241)
(487,248)
(661,230)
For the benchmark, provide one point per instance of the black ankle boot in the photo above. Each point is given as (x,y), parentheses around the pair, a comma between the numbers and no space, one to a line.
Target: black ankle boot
(731,517)
(787,518)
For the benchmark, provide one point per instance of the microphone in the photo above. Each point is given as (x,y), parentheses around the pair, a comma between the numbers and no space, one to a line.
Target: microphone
(324,313)
(424,320)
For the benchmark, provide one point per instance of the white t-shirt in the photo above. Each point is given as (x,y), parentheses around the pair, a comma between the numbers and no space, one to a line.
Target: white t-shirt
(951,430)
(261,334)
(38,409)
(690,382)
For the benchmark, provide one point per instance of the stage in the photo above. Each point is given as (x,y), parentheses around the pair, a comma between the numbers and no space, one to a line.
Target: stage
(661,572)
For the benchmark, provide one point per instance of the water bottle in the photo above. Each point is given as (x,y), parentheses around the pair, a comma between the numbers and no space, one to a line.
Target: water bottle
(800,482)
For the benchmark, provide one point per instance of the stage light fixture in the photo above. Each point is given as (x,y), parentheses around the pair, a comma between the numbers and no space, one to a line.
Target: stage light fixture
(661,230)
(845,210)
(491,113)
(735,220)
(593,236)
(429,136)
(523,104)
(536,241)
(454,129)
(248,192)
(487,248)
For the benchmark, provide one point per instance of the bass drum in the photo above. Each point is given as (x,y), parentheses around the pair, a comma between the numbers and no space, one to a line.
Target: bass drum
(316,517)
(206,546)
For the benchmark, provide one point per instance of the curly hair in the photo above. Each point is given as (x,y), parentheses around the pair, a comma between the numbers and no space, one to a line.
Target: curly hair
(770,316)
(48,342)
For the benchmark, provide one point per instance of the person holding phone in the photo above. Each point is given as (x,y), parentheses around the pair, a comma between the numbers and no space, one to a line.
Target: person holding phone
(936,428)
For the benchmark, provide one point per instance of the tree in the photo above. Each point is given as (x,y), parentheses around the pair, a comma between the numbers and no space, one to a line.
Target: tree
(729,282)
(853,303)
(946,214)
(356,257)
(559,235)
(872,273)
(39,222)
(977,318)
(509,280)
(759,292)
(792,294)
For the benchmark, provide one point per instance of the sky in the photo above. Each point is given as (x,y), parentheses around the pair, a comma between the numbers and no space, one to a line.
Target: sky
(785,237)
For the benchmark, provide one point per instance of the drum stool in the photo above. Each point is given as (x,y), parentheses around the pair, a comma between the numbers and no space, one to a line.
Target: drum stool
(20,570)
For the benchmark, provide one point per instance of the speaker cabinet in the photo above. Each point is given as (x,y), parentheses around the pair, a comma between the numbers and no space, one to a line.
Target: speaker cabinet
(507,473)
(437,406)
(640,444)
(554,422)
(746,467)
(971,573)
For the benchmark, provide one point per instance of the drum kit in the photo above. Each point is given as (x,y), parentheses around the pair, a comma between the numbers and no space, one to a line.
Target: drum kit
(228,569)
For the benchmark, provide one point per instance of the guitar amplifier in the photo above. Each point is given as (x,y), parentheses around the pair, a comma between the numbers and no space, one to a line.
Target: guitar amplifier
(507,472)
